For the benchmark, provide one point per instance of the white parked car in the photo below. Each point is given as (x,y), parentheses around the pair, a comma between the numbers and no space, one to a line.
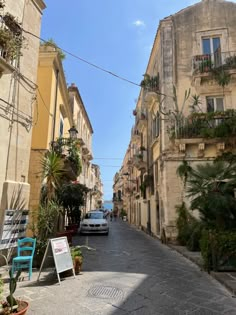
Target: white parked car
(94,222)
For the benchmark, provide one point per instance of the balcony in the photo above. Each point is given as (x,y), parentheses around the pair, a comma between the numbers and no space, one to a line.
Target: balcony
(203,65)
(140,120)
(6,65)
(85,150)
(207,125)
(150,98)
(140,160)
(136,135)
(11,43)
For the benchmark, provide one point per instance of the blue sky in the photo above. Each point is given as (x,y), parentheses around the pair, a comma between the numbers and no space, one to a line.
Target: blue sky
(118,36)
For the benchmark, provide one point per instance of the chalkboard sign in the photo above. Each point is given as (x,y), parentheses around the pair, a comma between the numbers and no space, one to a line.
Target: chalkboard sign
(60,250)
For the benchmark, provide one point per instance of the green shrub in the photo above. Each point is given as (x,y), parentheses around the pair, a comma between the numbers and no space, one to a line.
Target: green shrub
(183,224)
(193,243)
(189,229)
(218,249)
(205,250)
(123,213)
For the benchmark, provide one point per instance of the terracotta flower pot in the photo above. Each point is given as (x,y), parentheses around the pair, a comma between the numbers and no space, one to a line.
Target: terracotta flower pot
(23,307)
(78,260)
(21,310)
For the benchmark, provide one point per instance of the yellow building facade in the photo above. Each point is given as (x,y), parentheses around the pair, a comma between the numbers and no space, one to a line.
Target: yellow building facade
(53,117)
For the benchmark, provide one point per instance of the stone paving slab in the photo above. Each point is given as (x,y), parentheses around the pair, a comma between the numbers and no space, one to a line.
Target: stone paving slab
(130,273)
(228,279)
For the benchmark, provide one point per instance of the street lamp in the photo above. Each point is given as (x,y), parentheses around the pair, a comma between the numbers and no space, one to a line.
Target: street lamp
(73,133)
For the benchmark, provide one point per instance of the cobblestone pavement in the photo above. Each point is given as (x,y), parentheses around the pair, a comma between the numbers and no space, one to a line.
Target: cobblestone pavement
(130,273)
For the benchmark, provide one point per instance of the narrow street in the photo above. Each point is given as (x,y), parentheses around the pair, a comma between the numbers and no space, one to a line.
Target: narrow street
(130,273)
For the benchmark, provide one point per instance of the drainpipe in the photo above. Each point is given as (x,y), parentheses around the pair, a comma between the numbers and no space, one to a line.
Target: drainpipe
(55,106)
(148,173)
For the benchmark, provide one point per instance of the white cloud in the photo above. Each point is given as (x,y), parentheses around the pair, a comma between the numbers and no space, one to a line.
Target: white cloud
(139,23)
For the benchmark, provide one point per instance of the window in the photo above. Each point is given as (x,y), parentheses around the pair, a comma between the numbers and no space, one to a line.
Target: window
(215,104)
(156,126)
(61,127)
(94,215)
(212,46)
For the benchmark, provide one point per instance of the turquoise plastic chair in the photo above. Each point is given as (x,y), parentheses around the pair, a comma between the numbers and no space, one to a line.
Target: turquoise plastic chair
(25,255)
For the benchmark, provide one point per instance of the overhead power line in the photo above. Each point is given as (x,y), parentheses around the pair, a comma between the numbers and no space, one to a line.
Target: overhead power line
(109,165)
(107,158)
(90,63)
(83,60)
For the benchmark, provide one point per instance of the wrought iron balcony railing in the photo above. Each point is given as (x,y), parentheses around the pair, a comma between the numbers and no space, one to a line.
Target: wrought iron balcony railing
(205,63)
(206,125)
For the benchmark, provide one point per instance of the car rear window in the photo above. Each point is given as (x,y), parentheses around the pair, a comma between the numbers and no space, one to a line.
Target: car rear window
(95,215)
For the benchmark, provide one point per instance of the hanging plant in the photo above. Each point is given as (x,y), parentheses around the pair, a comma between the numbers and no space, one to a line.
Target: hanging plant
(148,180)
(12,23)
(221,77)
(11,45)
(5,37)
(51,42)
(142,188)
(143,116)
(2,4)
(150,83)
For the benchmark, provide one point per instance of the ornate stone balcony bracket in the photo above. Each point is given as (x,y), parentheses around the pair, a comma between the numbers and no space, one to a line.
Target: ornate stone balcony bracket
(182,147)
(201,149)
(220,147)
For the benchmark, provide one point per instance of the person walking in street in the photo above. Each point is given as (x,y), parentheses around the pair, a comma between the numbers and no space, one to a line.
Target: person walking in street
(115,215)
(111,216)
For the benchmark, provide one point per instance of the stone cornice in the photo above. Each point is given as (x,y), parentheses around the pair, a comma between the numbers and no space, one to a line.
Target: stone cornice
(75,90)
(39,4)
(49,56)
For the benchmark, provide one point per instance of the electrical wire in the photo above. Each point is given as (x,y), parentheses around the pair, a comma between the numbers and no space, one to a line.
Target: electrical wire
(83,60)
(90,63)
(109,165)
(40,94)
(100,158)
(11,105)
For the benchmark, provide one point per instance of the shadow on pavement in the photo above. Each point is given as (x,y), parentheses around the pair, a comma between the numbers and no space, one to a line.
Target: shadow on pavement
(136,274)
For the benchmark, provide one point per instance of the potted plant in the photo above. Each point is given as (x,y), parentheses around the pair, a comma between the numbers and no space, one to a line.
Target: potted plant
(10,45)
(123,215)
(150,83)
(206,65)
(77,256)
(12,23)
(1,292)
(13,305)
(143,116)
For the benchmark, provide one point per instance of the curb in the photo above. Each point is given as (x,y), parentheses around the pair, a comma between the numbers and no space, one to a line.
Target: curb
(224,278)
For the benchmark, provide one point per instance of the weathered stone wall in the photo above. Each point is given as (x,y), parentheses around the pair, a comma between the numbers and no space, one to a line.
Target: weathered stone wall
(15,129)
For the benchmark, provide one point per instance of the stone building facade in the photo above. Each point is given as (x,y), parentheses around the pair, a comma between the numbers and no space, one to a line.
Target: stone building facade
(192,50)
(90,176)
(18,75)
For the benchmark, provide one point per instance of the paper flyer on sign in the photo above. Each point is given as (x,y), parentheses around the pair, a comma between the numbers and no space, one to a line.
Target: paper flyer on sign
(60,247)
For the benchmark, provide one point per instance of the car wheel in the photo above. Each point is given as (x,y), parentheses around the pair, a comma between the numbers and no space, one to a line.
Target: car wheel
(107,233)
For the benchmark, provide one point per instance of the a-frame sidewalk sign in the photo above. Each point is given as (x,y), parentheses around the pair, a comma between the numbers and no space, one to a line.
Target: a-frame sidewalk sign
(59,249)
